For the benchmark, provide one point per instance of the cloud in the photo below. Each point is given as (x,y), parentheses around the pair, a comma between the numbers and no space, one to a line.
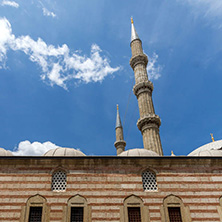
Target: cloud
(211,10)
(26,148)
(46,12)
(154,70)
(10,3)
(58,64)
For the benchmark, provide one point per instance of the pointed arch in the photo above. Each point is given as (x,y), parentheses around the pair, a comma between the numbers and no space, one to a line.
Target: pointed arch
(136,203)
(149,180)
(78,202)
(35,202)
(59,180)
(174,203)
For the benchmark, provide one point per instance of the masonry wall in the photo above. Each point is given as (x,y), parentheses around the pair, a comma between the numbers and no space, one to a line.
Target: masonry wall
(106,182)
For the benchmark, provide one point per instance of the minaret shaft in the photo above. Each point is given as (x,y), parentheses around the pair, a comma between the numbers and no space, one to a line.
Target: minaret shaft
(148,122)
(120,143)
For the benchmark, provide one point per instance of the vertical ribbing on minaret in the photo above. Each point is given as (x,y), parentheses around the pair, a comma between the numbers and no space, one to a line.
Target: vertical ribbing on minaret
(120,143)
(148,122)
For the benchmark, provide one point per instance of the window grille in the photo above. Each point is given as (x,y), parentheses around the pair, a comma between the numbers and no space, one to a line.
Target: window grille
(149,181)
(59,181)
(76,214)
(134,214)
(35,214)
(174,214)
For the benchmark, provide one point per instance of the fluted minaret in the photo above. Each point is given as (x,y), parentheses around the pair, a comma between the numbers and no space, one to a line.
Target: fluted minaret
(120,143)
(148,122)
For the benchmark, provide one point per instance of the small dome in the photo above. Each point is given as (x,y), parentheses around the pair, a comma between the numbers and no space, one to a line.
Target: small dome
(61,151)
(138,152)
(4,152)
(216,145)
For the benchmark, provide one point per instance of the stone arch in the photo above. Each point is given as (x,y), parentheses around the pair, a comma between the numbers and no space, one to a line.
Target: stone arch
(78,201)
(134,202)
(59,180)
(149,180)
(35,201)
(173,201)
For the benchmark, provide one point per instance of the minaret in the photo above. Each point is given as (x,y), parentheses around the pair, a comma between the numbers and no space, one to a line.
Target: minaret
(148,122)
(120,143)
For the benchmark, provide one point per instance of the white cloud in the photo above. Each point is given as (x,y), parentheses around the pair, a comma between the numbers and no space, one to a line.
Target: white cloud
(58,64)
(154,70)
(46,12)
(209,9)
(26,148)
(10,3)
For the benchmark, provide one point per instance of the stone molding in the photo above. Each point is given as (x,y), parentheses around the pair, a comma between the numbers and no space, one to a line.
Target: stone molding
(120,143)
(134,201)
(138,59)
(149,121)
(77,201)
(120,146)
(143,87)
(174,201)
(35,201)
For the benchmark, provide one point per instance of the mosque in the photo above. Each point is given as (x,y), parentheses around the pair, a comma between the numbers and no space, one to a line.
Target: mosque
(136,185)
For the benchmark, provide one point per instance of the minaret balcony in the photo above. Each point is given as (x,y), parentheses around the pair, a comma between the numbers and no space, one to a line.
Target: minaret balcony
(138,59)
(149,121)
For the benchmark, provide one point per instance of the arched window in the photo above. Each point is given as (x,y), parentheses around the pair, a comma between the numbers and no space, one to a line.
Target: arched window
(35,210)
(59,180)
(149,181)
(173,210)
(78,210)
(134,210)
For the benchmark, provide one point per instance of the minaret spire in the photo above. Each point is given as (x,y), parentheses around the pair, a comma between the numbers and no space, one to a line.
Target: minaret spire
(148,122)
(120,143)
(134,34)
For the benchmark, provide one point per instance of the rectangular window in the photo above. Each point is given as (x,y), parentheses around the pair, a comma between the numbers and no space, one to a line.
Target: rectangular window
(76,214)
(174,214)
(134,214)
(35,214)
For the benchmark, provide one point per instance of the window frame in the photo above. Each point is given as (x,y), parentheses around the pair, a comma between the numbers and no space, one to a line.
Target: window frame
(35,201)
(154,173)
(78,201)
(134,201)
(55,171)
(174,201)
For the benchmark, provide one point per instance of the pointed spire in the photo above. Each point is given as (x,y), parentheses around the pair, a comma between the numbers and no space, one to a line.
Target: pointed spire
(120,143)
(118,121)
(134,34)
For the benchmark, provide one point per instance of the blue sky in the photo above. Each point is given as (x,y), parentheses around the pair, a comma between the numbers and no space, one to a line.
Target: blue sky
(64,65)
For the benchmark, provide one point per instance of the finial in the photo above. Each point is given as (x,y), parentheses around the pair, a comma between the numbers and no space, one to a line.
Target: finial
(172,154)
(212,137)
(117,106)
(132,20)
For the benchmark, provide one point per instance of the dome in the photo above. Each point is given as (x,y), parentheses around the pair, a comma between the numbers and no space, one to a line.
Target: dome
(208,153)
(61,151)
(207,149)
(138,152)
(4,152)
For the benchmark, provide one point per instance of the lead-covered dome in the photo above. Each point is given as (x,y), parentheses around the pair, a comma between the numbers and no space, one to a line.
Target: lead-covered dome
(138,152)
(61,151)
(209,149)
(4,152)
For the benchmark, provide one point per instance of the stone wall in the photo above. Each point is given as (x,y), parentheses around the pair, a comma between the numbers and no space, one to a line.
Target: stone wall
(105,182)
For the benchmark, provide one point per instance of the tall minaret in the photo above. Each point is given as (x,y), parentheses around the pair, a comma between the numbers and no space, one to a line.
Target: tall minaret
(148,122)
(120,143)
